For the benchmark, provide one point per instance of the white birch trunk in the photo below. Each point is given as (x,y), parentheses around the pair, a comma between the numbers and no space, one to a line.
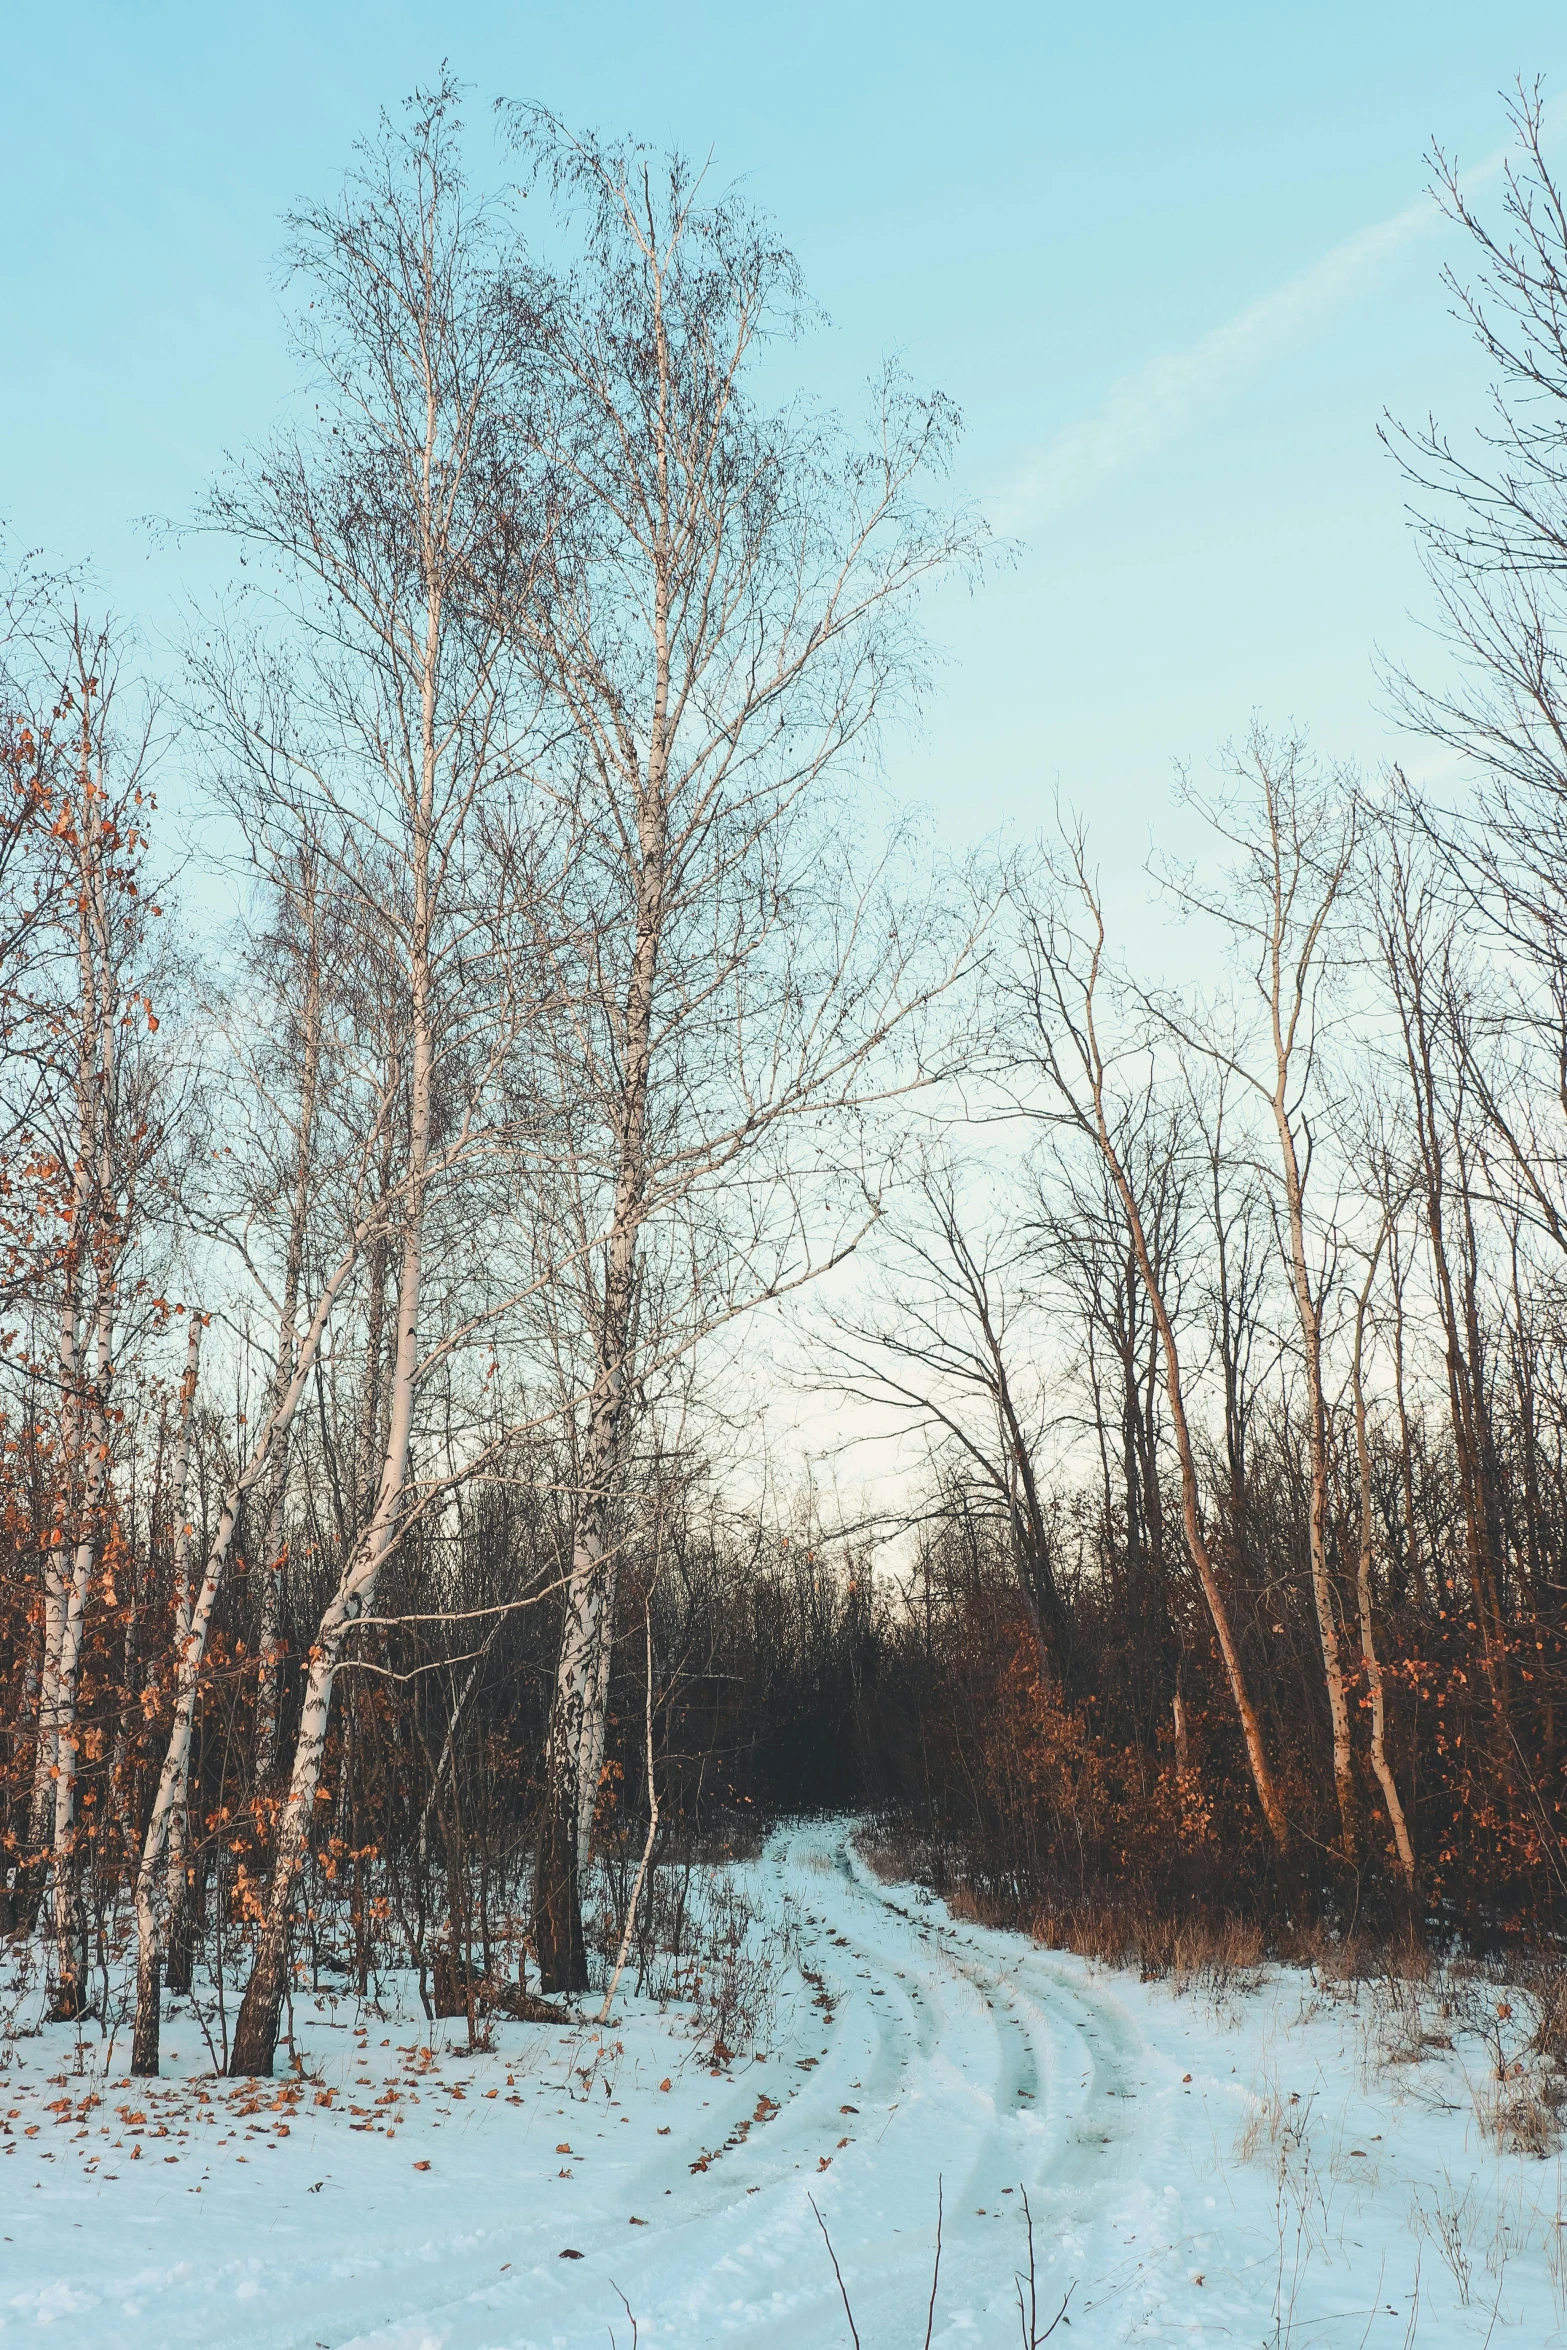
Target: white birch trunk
(269,1672)
(67,1936)
(590,1761)
(166,1825)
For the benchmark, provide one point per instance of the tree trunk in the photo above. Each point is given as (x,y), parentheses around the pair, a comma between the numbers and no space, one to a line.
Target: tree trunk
(557,1883)
(575,1743)
(69,1924)
(166,1828)
(269,1643)
(590,1763)
(1317,1450)
(1368,1651)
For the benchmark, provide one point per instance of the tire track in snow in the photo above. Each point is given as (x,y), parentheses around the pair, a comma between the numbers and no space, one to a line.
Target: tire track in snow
(908,2046)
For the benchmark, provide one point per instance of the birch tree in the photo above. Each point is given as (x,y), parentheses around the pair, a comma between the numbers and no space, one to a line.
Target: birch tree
(721,620)
(398,527)
(103,1125)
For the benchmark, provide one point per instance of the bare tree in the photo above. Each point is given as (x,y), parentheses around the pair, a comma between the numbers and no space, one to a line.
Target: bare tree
(1414,930)
(945,1347)
(1490,513)
(722,619)
(404,531)
(98,1122)
(1366,1555)
(1060,987)
(1295,833)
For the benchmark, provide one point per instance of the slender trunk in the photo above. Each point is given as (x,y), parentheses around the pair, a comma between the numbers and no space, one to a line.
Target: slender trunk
(449,1743)
(1406,964)
(1191,1515)
(94,1248)
(256,2029)
(576,1731)
(180,1952)
(70,1471)
(269,1643)
(557,1892)
(1288,999)
(69,1927)
(32,1874)
(1317,1449)
(1182,1744)
(166,1828)
(1368,1649)
(652,1831)
(269,1640)
(1406,1445)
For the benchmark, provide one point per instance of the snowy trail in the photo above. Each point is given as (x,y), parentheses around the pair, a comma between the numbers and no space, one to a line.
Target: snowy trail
(435,2205)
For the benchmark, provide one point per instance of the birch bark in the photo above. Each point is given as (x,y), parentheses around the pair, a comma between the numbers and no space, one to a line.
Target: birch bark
(164,1845)
(269,1643)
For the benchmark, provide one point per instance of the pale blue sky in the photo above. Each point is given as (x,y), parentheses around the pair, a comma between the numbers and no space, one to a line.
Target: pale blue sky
(1130,241)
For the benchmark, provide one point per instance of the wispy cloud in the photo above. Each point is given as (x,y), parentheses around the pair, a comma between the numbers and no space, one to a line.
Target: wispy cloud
(1149,408)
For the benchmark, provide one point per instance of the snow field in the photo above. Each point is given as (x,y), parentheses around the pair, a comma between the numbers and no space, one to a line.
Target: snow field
(1246,2171)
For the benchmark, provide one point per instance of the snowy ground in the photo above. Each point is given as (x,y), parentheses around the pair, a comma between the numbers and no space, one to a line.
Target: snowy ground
(1251,2168)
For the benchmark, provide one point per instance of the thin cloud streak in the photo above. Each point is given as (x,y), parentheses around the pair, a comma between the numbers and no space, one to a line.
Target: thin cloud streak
(1149,408)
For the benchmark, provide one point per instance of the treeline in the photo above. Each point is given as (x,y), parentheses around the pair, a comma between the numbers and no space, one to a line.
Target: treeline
(1242,1579)
(390,1288)
(432,1777)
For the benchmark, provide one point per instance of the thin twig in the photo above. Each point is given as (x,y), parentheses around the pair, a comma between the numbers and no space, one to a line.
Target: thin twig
(837,2272)
(1028,2319)
(935,2274)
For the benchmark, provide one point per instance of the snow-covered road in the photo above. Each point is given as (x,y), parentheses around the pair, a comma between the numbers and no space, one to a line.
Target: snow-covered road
(505,2201)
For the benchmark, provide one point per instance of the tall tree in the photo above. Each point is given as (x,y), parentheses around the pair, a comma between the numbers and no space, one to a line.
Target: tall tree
(403,528)
(723,616)
(1061,990)
(1293,832)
